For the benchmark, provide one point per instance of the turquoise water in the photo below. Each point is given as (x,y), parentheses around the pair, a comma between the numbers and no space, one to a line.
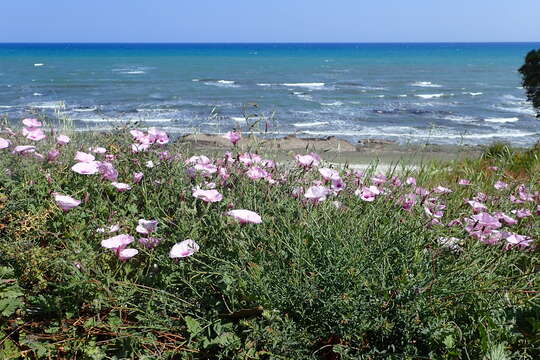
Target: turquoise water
(441,93)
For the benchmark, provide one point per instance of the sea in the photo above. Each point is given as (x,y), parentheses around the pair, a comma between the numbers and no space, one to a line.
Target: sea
(441,93)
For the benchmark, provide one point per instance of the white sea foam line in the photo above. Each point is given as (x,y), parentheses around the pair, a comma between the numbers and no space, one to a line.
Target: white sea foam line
(38,64)
(335,103)
(116,120)
(458,118)
(264,84)
(238,118)
(306,85)
(426,84)
(429,96)
(502,120)
(37,94)
(5,107)
(85,110)
(423,135)
(473,93)
(134,72)
(48,105)
(519,110)
(310,124)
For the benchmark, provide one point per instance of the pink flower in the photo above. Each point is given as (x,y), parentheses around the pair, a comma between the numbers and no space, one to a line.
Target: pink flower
(379,179)
(442,190)
(107,170)
(316,193)
(309,160)
(337,185)
(117,242)
(233,137)
(505,218)
(408,201)
(53,154)
(410,181)
(499,185)
(149,242)
(111,229)
(4,143)
(35,134)
(84,157)
(121,187)
(522,213)
(245,216)
(62,140)
(184,249)
(207,195)
(249,158)
(518,240)
(136,148)
(199,159)
(24,149)
(464,182)
(485,219)
(137,134)
(477,206)
(146,226)
(297,191)
(368,193)
(329,174)
(205,169)
(421,191)
(86,168)
(31,123)
(65,202)
(256,173)
(126,254)
(97,150)
(137,177)
(158,136)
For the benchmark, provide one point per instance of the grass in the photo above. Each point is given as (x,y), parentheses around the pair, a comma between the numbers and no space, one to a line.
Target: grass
(314,281)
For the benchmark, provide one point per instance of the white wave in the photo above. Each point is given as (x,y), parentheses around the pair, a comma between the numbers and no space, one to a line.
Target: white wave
(518,110)
(473,93)
(37,94)
(379,96)
(305,85)
(429,96)
(222,83)
(38,64)
(513,98)
(310,124)
(134,72)
(458,118)
(335,103)
(238,119)
(264,84)
(5,107)
(158,110)
(305,97)
(85,109)
(48,105)
(403,95)
(123,120)
(426,84)
(502,120)
(415,133)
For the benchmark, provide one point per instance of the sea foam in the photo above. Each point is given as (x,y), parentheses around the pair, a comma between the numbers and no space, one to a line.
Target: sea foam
(502,120)
(426,84)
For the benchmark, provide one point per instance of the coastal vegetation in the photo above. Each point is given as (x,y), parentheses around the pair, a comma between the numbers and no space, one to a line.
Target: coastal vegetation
(128,245)
(530,72)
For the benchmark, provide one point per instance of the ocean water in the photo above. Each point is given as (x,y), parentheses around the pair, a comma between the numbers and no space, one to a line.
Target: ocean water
(437,93)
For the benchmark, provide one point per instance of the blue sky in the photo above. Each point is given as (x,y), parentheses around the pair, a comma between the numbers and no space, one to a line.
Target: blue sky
(269,21)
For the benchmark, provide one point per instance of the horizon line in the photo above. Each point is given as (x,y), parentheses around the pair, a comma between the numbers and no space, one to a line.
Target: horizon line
(270,42)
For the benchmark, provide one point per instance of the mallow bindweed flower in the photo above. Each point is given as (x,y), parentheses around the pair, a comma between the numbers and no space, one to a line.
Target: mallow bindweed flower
(52,155)
(209,196)
(233,137)
(84,157)
(137,177)
(464,182)
(107,170)
(499,185)
(117,242)
(256,173)
(368,193)
(245,216)
(86,168)
(308,160)
(34,134)
(126,254)
(184,249)
(146,226)
(24,149)
(149,242)
(62,139)
(317,193)
(31,123)
(4,143)
(121,187)
(65,202)
(329,174)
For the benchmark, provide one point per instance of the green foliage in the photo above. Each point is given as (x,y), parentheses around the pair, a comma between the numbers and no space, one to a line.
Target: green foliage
(530,72)
(365,280)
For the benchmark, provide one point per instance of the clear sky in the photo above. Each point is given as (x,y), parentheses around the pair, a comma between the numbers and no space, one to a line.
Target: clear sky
(269,20)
